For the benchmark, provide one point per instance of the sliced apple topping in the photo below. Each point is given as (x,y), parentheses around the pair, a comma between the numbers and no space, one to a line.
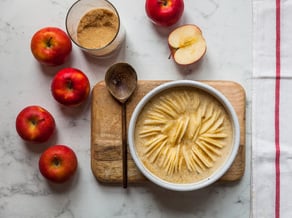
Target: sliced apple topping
(184,132)
(187,44)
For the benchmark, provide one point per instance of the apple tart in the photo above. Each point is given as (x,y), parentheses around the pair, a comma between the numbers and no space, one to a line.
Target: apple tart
(183,135)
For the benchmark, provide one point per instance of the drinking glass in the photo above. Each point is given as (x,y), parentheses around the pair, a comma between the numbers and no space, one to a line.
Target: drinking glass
(75,14)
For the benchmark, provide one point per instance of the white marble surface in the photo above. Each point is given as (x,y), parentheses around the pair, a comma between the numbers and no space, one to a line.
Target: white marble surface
(24,193)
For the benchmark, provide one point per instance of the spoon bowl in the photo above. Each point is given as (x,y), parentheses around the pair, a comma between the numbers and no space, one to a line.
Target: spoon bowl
(121,81)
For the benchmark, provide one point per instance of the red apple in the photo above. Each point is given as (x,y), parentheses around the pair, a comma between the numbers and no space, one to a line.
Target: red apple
(187,44)
(164,12)
(51,46)
(35,124)
(58,163)
(70,87)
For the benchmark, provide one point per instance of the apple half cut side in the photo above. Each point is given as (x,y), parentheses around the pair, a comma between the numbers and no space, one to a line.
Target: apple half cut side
(187,44)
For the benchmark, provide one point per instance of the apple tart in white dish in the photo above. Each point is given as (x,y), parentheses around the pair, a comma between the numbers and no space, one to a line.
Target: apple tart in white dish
(184,135)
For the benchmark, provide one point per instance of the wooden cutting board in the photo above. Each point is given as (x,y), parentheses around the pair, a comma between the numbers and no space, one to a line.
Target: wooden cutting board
(106,141)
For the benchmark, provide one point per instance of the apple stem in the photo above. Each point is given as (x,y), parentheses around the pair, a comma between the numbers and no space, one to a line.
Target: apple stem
(49,42)
(36,121)
(69,84)
(56,161)
(172,52)
(163,2)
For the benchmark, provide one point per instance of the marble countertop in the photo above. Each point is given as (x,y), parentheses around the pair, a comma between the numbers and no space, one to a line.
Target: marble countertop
(227,27)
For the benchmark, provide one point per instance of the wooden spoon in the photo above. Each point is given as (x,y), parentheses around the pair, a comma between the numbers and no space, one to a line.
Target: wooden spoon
(121,82)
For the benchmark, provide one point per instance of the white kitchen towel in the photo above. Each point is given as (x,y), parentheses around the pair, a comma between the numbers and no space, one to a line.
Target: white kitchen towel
(272,109)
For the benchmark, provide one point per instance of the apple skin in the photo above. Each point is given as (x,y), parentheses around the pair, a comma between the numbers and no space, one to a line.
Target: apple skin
(164,12)
(51,46)
(70,87)
(35,124)
(58,163)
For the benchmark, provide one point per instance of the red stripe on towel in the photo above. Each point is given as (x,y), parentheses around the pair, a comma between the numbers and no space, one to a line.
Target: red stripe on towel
(277,107)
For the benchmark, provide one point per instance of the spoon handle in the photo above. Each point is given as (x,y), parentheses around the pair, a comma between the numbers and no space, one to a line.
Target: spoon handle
(124,146)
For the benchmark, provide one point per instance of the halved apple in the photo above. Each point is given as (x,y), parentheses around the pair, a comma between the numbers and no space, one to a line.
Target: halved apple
(187,44)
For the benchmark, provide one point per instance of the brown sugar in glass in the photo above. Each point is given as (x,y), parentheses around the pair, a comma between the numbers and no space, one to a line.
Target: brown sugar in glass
(95,27)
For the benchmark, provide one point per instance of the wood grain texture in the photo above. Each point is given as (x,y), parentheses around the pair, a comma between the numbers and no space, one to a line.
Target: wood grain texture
(106,141)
